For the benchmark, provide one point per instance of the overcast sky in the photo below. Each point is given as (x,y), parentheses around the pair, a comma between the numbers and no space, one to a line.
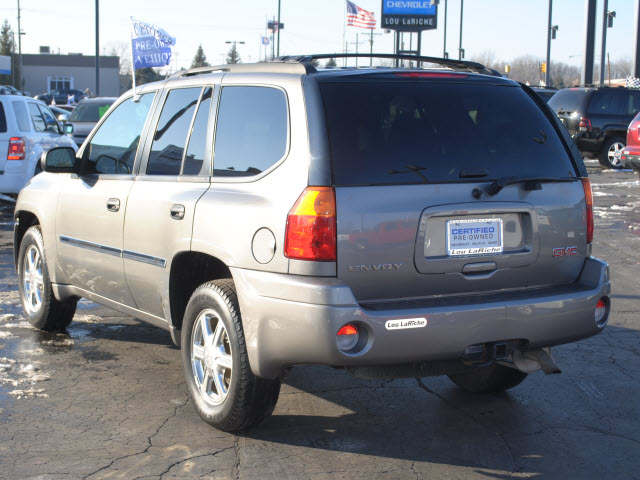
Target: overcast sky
(507,27)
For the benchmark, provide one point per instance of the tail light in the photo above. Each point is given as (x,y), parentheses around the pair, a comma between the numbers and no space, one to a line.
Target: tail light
(585,124)
(17,148)
(311,226)
(588,198)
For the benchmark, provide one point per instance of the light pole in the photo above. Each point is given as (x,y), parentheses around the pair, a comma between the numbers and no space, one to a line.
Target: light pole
(278,28)
(19,50)
(444,48)
(97,48)
(460,49)
(607,22)
(235,42)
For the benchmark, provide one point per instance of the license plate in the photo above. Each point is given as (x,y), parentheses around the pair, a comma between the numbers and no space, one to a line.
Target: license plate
(479,236)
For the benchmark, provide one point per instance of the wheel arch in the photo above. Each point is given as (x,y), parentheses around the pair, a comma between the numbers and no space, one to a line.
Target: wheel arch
(24,220)
(189,270)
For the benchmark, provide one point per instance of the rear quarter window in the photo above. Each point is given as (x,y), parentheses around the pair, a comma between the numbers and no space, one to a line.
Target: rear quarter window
(22,117)
(570,100)
(427,132)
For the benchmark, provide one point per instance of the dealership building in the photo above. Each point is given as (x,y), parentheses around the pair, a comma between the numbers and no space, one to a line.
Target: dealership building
(45,72)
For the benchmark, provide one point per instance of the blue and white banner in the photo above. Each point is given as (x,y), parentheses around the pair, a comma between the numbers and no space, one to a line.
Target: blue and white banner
(150,45)
(5,65)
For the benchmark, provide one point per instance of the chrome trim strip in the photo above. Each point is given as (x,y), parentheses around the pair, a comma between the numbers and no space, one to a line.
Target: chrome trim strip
(141,257)
(116,252)
(96,247)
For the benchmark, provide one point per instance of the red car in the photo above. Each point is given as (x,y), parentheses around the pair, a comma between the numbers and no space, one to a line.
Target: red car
(631,154)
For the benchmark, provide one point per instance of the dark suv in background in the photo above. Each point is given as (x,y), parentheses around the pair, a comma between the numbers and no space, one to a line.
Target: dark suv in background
(597,118)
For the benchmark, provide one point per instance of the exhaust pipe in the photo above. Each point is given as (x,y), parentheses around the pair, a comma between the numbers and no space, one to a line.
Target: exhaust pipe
(533,360)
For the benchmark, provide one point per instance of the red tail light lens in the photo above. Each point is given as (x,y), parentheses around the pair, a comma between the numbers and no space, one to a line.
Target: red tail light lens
(311,226)
(588,198)
(585,124)
(17,148)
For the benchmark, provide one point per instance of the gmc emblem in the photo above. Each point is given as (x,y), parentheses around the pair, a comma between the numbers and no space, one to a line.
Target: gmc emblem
(565,252)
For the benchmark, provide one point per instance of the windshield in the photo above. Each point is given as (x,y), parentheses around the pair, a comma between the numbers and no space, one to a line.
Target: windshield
(412,132)
(90,111)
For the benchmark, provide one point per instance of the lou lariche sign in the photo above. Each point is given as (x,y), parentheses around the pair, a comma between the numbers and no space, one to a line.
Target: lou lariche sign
(409,15)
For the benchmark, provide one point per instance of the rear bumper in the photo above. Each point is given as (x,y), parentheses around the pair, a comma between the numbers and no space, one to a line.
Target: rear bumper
(290,320)
(631,159)
(15,176)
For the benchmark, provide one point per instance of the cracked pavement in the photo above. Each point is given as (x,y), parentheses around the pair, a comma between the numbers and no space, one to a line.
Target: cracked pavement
(108,400)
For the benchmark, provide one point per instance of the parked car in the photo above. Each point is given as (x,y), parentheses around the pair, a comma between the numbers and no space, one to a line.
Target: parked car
(27,128)
(61,97)
(631,153)
(85,116)
(62,115)
(545,93)
(221,204)
(597,118)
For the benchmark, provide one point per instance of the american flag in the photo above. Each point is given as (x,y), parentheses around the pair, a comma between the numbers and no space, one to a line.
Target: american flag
(359,17)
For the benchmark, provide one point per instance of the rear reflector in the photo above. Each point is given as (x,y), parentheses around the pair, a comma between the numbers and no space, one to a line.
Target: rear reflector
(588,198)
(430,75)
(17,148)
(347,337)
(601,312)
(311,226)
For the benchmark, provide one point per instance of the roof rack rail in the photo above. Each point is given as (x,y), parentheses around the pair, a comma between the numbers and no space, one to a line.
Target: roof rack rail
(459,65)
(268,67)
(596,85)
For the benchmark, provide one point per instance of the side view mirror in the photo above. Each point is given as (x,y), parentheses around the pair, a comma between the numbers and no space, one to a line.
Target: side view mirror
(63,117)
(60,160)
(68,129)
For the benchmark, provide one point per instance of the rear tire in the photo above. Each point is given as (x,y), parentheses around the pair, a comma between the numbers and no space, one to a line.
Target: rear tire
(225,392)
(491,379)
(610,154)
(41,308)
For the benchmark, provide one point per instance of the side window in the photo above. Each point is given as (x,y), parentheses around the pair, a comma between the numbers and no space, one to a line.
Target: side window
(22,117)
(608,103)
(170,138)
(112,149)
(36,118)
(3,119)
(194,163)
(51,122)
(634,103)
(252,131)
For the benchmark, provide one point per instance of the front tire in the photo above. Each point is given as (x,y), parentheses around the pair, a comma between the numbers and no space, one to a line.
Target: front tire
(41,308)
(491,379)
(225,392)
(611,152)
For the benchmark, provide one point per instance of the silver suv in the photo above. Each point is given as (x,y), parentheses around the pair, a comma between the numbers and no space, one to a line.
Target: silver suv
(391,222)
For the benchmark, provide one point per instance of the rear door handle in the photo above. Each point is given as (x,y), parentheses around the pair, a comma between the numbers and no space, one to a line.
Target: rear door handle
(177,212)
(113,204)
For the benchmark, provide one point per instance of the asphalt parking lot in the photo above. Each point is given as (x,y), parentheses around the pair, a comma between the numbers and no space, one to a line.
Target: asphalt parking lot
(108,399)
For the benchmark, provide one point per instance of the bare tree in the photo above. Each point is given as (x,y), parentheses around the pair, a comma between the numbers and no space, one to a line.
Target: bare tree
(488,59)
(121,49)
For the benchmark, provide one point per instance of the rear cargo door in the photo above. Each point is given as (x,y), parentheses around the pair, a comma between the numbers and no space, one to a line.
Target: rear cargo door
(418,168)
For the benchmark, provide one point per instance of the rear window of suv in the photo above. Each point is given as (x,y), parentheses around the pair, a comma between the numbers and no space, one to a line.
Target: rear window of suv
(403,133)
(570,100)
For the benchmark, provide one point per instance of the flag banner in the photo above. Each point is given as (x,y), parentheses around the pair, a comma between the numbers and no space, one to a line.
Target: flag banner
(150,45)
(632,82)
(359,17)
(265,40)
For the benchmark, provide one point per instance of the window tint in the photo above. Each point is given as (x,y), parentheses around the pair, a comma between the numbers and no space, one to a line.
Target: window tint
(252,130)
(165,157)
(3,119)
(410,132)
(22,117)
(89,111)
(633,103)
(112,149)
(608,103)
(194,163)
(570,100)
(51,122)
(36,118)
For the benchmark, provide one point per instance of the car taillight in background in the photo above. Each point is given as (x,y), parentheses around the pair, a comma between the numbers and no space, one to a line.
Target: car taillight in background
(17,149)
(585,124)
(311,226)
(588,198)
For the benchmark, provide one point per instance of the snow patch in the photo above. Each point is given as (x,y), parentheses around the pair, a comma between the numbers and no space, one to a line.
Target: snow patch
(6,335)
(31,393)
(617,184)
(59,343)
(87,319)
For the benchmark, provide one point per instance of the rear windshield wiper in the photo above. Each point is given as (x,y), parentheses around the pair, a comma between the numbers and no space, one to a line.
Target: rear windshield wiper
(531,183)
